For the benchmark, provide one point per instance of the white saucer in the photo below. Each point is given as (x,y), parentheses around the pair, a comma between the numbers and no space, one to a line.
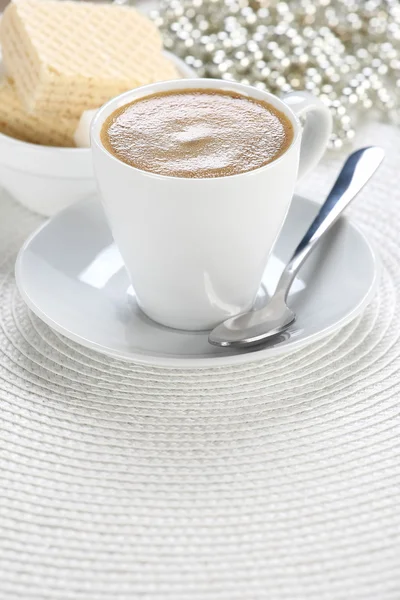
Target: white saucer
(71,275)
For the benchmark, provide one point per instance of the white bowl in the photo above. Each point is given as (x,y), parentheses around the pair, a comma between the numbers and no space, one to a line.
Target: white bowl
(47,179)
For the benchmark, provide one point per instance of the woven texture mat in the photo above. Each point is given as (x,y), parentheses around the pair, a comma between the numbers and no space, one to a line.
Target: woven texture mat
(273,480)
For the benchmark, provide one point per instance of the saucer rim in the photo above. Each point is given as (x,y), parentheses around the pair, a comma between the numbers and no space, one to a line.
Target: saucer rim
(171,362)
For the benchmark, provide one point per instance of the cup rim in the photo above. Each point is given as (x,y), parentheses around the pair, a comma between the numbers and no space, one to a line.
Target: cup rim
(147,90)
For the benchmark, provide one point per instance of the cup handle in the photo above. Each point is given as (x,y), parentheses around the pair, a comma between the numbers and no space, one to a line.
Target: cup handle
(317,129)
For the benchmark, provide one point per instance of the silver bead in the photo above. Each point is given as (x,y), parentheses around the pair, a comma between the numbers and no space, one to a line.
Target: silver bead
(285,63)
(286,88)
(262,14)
(243,65)
(228,76)
(295,83)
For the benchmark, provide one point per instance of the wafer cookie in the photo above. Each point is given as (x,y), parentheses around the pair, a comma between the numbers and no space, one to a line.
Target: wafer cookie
(16,122)
(67,57)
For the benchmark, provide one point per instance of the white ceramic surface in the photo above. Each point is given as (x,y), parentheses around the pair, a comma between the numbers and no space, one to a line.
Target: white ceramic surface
(47,179)
(196,248)
(71,275)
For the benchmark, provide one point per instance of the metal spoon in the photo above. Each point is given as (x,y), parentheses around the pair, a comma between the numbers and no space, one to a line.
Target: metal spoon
(249,329)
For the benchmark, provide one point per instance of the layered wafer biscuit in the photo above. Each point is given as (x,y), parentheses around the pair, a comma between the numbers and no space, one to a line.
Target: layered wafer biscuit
(16,122)
(67,57)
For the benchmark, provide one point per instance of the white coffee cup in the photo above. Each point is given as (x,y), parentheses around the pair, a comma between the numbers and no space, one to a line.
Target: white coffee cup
(196,249)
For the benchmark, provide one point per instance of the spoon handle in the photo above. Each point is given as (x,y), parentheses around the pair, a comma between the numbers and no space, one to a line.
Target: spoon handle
(356,172)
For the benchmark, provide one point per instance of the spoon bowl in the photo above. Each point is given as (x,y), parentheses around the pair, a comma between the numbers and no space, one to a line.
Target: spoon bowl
(278,317)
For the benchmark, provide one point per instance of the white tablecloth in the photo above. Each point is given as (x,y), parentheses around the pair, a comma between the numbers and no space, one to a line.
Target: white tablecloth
(274,480)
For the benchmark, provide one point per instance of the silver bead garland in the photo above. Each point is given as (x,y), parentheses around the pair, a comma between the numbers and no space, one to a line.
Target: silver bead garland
(347,52)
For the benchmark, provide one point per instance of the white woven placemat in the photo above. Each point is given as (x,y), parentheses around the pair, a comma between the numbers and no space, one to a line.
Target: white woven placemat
(277,480)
